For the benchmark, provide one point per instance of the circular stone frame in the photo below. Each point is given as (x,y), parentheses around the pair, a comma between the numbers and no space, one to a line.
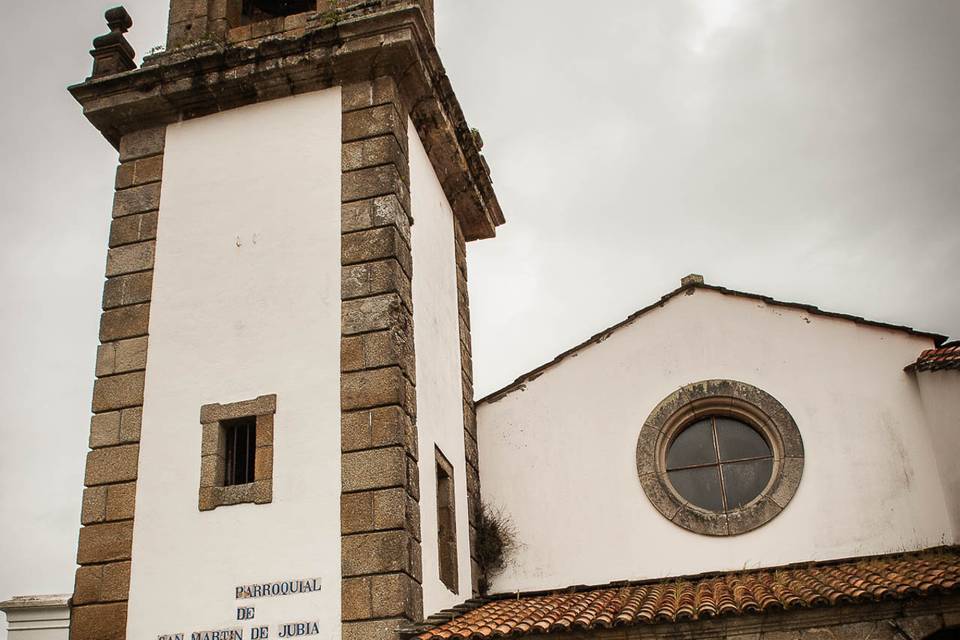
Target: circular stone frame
(742,402)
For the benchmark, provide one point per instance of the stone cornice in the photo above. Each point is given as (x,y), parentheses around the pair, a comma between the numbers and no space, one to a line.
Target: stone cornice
(209,77)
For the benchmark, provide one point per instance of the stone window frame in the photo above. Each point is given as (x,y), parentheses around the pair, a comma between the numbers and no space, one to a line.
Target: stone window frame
(739,401)
(448,565)
(213,493)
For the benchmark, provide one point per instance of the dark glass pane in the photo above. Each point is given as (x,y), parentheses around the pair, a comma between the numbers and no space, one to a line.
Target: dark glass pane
(743,481)
(738,441)
(699,486)
(693,446)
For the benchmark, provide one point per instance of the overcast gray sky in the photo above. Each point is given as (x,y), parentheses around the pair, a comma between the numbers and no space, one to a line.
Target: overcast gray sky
(804,149)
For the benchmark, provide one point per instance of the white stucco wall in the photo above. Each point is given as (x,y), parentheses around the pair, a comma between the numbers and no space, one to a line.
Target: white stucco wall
(559,456)
(37,617)
(246,302)
(439,392)
(940,391)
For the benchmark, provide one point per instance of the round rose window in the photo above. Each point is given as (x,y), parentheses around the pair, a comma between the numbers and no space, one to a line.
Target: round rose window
(719,464)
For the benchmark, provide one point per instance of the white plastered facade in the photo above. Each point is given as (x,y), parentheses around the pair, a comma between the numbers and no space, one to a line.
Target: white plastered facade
(558,453)
(246,302)
(439,385)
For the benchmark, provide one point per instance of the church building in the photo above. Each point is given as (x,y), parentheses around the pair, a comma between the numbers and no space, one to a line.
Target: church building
(285,441)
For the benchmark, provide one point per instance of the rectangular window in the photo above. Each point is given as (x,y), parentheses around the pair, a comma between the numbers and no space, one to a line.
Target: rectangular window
(236,453)
(240,436)
(446,523)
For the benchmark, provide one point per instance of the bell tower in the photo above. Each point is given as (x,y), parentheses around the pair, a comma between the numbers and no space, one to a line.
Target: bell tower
(283,438)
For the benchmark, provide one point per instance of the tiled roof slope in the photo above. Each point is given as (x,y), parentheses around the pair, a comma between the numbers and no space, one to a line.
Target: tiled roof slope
(946,357)
(730,594)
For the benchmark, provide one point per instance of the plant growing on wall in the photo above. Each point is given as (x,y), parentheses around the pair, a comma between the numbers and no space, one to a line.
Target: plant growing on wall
(496,541)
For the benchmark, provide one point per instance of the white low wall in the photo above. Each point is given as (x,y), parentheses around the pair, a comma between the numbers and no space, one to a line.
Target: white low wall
(37,617)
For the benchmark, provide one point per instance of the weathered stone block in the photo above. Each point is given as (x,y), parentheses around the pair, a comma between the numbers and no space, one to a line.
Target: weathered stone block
(148,170)
(376,278)
(375,350)
(375,121)
(381,427)
(136,200)
(115,583)
(130,420)
(134,288)
(130,355)
(373,469)
(377,313)
(105,430)
(371,629)
(379,552)
(146,142)
(365,183)
(113,464)
(376,212)
(105,542)
(361,95)
(86,587)
(135,228)
(355,599)
(373,388)
(121,501)
(99,622)
(373,152)
(118,392)
(124,322)
(376,244)
(130,258)
(94,505)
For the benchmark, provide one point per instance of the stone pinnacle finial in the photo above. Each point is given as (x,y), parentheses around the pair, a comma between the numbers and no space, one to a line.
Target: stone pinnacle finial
(118,19)
(111,52)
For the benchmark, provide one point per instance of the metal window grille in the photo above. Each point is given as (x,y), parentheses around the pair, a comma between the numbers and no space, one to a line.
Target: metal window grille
(241,450)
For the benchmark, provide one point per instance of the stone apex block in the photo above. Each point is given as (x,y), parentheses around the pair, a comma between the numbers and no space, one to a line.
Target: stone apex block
(373,469)
(146,142)
(118,392)
(261,406)
(124,322)
(105,542)
(136,200)
(130,258)
(99,622)
(112,465)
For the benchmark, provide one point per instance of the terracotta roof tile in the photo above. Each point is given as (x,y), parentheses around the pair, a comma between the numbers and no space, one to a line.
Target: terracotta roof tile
(676,600)
(946,357)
